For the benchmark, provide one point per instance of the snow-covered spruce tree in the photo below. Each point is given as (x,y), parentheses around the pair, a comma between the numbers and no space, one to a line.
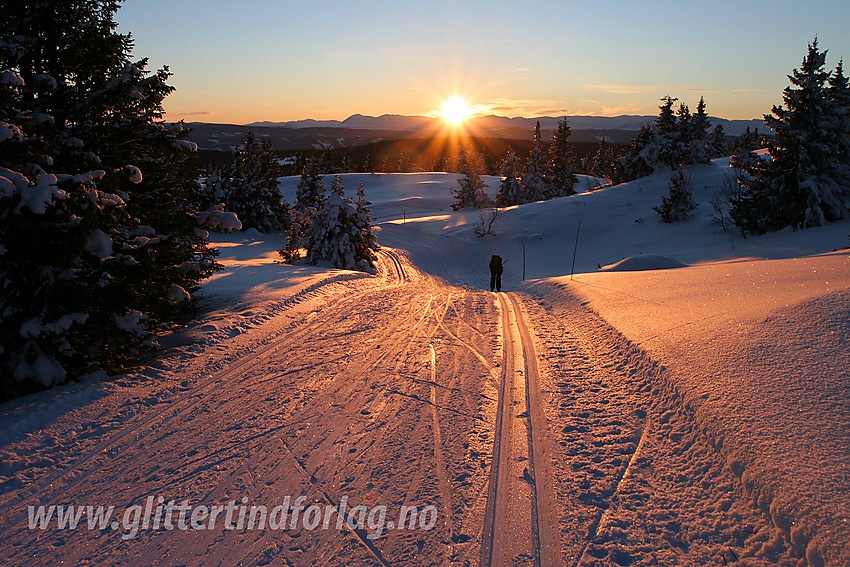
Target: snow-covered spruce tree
(470,192)
(743,155)
(250,186)
(666,148)
(679,204)
(340,232)
(633,163)
(510,189)
(366,242)
(698,148)
(717,143)
(309,198)
(310,191)
(807,181)
(534,178)
(676,137)
(561,175)
(601,163)
(97,249)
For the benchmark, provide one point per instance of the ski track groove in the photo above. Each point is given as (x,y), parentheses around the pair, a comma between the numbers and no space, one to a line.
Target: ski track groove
(540,544)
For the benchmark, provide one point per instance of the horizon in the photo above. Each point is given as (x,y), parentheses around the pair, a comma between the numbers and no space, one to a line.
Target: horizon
(277,62)
(472,118)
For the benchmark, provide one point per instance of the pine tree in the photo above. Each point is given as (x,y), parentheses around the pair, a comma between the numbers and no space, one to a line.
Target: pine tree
(698,148)
(603,160)
(561,177)
(365,243)
(98,249)
(309,199)
(251,188)
(683,143)
(717,143)
(634,163)
(340,233)
(807,181)
(743,156)
(310,191)
(679,204)
(510,189)
(839,91)
(470,192)
(674,139)
(534,178)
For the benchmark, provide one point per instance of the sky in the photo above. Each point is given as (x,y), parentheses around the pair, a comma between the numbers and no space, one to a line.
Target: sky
(272,60)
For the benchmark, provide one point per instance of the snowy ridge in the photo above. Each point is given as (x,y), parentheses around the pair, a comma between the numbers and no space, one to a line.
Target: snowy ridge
(736,401)
(623,428)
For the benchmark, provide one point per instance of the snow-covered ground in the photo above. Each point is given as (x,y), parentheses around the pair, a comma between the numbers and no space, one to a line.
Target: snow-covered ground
(696,411)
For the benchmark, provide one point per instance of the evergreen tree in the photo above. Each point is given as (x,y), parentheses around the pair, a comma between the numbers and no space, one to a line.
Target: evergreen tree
(470,192)
(365,241)
(601,162)
(839,91)
(634,164)
(340,233)
(310,191)
(251,188)
(98,248)
(717,143)
(534,178)
(679,204)
(699,149)
(743,156)
(510,189)
(561,177)
(807,181)
(309,199)
(683,143)
(674,139)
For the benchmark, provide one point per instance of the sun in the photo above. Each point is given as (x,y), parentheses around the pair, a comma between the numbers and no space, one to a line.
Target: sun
(455,110)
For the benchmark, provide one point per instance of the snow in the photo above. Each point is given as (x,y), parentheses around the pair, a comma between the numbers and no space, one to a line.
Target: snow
(643,262)
(178,295)
(42,194)
(186,145)
(135,174)
(131,322)
(11,78)
(219,220)
(99,243)
(692,410)
(9,132)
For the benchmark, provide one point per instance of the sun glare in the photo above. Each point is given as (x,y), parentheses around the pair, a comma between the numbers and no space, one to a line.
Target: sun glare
(455,110)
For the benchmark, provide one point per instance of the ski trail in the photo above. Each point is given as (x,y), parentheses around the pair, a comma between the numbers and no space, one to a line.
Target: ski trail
(443,481)
(521,521)
(544,511)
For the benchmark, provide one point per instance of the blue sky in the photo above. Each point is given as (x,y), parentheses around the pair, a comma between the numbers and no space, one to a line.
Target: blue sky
(241,62)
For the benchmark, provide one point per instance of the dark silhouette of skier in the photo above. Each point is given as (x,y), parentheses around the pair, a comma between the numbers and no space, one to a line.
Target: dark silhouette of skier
(496,272)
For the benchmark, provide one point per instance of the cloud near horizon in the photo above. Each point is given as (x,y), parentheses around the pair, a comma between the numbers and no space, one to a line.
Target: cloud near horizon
(621,110)
(192,113)
(512,107)
(623,89)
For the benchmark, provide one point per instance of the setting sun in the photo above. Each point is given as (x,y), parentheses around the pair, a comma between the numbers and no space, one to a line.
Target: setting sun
(455,110)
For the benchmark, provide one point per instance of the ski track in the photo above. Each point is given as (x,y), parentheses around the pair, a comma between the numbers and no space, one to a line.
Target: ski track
(541,435)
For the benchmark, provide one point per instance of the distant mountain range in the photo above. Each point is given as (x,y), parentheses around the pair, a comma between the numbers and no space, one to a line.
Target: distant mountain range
(358,130)
(499,123)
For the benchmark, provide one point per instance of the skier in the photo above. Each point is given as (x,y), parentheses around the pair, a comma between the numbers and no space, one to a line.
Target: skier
(496,272)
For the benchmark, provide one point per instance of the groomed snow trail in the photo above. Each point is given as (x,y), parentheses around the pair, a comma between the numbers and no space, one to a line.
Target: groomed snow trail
(376,392)
(537,434)
(521,525)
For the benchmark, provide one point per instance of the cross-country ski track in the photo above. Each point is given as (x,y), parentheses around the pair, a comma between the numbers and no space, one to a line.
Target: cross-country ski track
(537,432)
